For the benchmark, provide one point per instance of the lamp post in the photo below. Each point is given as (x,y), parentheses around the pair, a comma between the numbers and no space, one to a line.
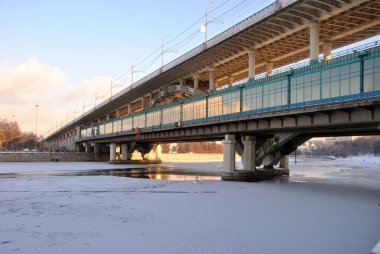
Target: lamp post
(35,141)
(13,131)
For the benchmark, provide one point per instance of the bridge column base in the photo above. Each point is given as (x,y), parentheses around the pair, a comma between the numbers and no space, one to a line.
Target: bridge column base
(284,162)
(112,152)
(229,153)
(253,176)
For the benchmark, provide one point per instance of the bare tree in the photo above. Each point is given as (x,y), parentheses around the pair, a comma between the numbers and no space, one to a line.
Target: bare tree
(9,131)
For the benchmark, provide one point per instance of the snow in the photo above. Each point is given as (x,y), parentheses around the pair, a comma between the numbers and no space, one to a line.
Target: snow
(376,249)
(327,212)
(28,167)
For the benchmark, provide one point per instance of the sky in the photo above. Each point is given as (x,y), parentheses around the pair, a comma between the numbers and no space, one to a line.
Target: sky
(64,55)
(60,54)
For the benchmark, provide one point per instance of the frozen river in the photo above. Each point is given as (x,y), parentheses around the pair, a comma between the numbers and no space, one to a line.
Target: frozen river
(325,206)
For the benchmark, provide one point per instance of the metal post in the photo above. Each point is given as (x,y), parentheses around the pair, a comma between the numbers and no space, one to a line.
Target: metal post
(35,141)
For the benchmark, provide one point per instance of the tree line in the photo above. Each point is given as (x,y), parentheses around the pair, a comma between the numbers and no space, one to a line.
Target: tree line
(345,148)
(13,139)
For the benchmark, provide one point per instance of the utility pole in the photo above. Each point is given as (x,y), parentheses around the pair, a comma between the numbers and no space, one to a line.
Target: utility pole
(35,141)
(111,91)
(133,72)
(164,51)
(204,28)
(206,24)
(13,130)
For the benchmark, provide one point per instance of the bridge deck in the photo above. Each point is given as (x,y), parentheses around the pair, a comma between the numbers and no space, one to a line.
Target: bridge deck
(350,77)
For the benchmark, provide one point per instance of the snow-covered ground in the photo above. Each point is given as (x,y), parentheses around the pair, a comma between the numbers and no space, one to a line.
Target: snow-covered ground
(321,208)
(28,167)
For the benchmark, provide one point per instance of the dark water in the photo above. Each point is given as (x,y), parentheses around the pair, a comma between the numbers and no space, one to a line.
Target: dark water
(159,173)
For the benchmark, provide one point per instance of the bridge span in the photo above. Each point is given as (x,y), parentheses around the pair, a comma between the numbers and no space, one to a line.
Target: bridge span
(213,92)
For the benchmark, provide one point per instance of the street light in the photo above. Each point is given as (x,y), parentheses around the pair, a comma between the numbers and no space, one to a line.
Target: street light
(35,141)
(13,130)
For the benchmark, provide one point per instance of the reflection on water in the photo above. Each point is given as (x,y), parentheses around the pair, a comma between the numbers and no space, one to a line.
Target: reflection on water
(159,173)
(162,174)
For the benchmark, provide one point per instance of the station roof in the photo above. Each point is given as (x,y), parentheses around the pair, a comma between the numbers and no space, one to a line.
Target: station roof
(278,33)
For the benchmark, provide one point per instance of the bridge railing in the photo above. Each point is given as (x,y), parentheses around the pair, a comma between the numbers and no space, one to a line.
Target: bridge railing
(347,77)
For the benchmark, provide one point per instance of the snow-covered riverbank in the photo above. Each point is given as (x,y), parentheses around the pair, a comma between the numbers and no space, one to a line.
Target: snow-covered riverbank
(328,212)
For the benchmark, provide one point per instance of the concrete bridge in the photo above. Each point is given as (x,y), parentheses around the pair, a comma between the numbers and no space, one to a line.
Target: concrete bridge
(213,92)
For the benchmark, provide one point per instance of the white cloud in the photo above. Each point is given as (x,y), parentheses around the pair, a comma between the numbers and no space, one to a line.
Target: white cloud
(28,82)
(24,85)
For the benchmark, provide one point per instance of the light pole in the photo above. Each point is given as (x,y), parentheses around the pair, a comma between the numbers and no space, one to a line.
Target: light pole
(13,130)
(35,141)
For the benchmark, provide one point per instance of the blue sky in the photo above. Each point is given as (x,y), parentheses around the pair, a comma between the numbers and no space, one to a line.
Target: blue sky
(88,38)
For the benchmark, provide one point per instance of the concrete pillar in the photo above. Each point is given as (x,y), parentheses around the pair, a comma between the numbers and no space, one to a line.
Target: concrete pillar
(284,162)
(211,79)
(87,148)
(251,64)
(229,153)
(248,157)
(269,67)
(142,103)
(108,116)
(118,113)
(124,152)
(327,48)
(112,151)
(158,152)
(129,108)
(196,81)
(314,42)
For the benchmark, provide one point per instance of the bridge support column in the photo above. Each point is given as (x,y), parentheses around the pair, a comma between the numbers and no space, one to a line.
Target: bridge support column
(229,153)
(284,162)
(196,81)
(97,152)
(129,108)
(112,151)
(211,79)
(124,152)
(269,67)
(251,64)
(327,48)
(158,152)
(87,148)
(314,42)
(248,156)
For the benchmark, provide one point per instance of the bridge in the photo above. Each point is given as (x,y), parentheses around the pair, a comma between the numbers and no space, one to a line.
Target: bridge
(239,87)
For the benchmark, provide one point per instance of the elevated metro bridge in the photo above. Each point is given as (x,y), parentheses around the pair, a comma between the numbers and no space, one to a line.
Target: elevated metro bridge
(263,117)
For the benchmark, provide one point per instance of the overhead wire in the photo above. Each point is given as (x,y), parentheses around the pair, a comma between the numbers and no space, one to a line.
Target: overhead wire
(152,57)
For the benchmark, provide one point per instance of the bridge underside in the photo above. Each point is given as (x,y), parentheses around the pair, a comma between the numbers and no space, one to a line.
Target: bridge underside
(262,141)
